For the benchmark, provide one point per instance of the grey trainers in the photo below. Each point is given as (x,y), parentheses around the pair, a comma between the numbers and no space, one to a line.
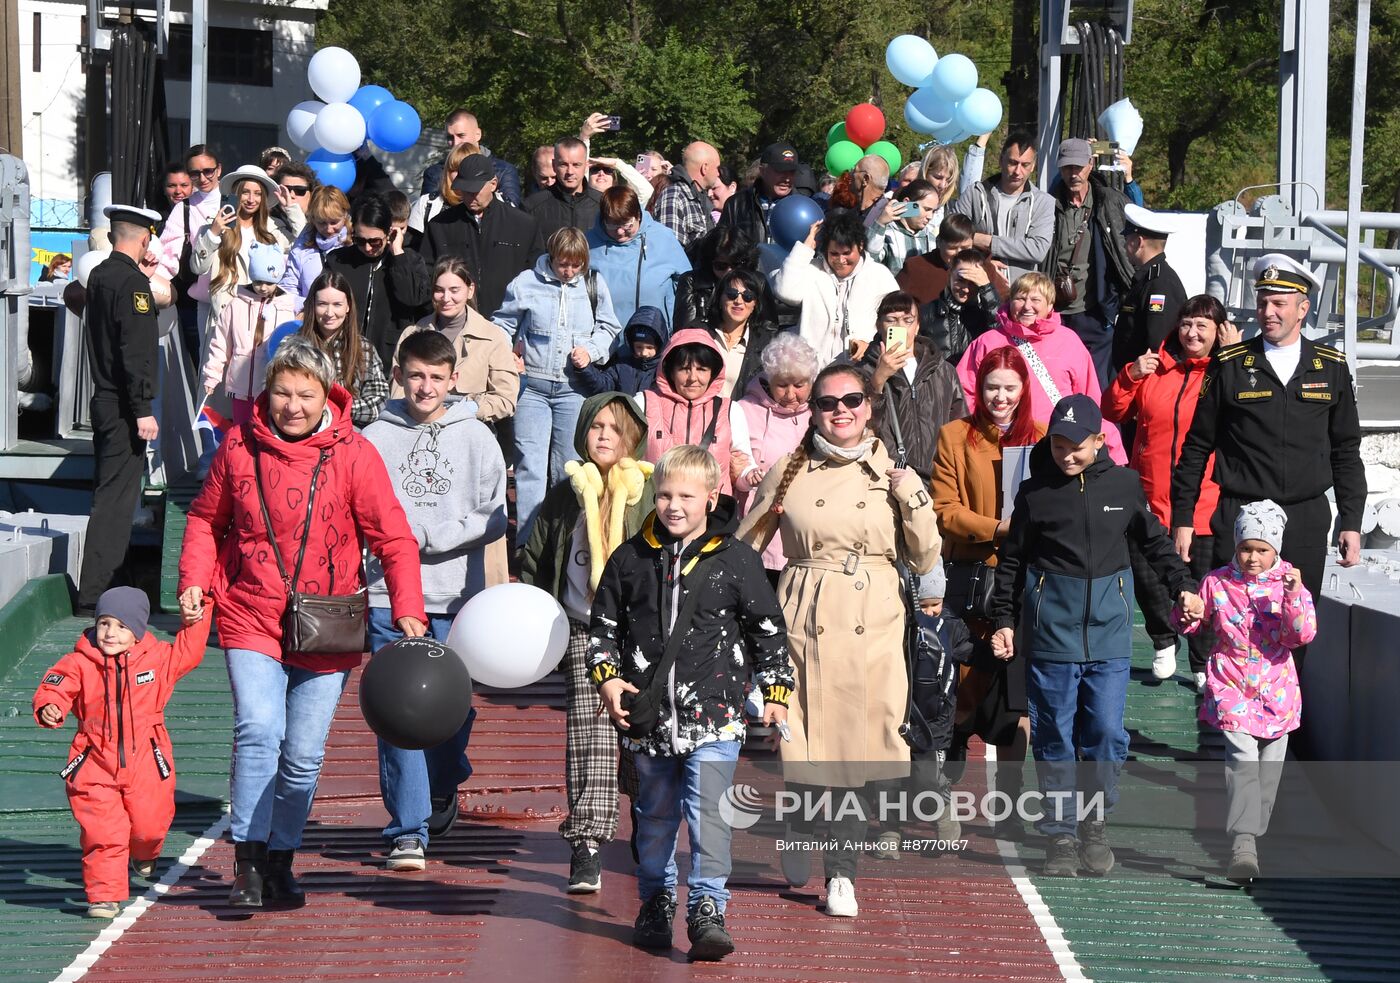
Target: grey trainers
(104,909)
(407,855)
(1094,852)
(1244,860)
(1062,857)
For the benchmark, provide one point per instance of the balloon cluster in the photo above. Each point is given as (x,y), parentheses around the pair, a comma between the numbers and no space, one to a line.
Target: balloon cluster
(857,136)
(946,103)
(333,129)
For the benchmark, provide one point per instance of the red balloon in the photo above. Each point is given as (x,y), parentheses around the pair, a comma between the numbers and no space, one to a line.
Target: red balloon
(865,124)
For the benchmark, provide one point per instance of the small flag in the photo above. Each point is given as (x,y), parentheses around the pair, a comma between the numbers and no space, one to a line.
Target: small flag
(213,422)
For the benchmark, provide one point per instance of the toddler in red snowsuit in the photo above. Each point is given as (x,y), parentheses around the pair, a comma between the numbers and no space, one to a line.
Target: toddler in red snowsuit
(120,774)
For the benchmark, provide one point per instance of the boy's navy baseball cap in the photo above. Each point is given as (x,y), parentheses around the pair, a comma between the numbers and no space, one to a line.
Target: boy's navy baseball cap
(1076,417)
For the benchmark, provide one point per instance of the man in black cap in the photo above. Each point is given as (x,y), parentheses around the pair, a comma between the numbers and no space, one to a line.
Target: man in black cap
(122,338)
(495,240)
(1087,254)
(1154,298)
(748,209)
(1279,413)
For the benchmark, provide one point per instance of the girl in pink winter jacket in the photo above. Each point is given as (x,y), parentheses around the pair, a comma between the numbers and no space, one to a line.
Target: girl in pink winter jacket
(237,356)
(1260,611)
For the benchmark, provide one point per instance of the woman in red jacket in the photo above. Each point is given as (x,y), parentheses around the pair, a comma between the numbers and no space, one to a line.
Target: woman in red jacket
(283,701)
(1160,390)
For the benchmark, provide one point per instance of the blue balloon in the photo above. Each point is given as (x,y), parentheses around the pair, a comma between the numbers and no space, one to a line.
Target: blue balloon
(792,217)
(336,170)
(954,77)
(283,332)
(980,112)
(395,126)
(910,59)
(368,98)
(926,111)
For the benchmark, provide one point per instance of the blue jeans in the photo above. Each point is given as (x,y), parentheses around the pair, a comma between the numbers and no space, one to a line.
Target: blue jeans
(690,785)
(1076,710)
(410,780)
(545,419)
(281,716)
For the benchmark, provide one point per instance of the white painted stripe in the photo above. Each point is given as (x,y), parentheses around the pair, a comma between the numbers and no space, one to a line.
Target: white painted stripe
(1050,931)
(109,935)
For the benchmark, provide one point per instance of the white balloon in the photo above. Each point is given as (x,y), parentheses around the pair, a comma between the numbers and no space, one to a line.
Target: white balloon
(334,74)
(340,128)
(87,262)
(509,635)
(301,123)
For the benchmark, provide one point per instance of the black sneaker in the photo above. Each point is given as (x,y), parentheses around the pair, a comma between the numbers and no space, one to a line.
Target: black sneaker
(1094,852)
(443,817)
(1062,858)
(652,929)
(585,870)
(709,941)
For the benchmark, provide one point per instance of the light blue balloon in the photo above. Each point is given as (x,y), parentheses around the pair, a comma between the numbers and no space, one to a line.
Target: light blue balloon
(368,98)
(395,126)
(980,112)
(931,109)
(336,170)
(910,59)
(948,132)
(954,77)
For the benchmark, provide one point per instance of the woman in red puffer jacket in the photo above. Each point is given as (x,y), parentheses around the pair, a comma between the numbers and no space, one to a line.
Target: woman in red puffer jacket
(1160,390)
(283,701)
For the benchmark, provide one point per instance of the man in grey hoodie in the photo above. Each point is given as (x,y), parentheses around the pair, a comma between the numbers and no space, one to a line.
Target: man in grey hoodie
(450,478)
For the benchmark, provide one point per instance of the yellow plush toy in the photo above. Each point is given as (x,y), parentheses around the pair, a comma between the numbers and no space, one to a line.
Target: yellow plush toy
(626,480)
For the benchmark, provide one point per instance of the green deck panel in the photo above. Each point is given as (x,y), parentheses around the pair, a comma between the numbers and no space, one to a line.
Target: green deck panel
(1189,923)
(177,504)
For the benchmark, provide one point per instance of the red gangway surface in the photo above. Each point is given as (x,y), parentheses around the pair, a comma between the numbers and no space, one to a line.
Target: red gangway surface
(492,902)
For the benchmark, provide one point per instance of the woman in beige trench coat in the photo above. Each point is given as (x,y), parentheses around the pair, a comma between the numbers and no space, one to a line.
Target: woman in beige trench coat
(845,514)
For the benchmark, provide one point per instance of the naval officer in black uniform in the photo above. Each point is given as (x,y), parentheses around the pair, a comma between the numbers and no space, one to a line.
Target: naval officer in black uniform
(122,340)
(1280,414)
(1153,302)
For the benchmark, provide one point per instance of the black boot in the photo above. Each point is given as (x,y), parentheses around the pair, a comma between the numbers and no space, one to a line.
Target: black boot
(249,862)
(279,884)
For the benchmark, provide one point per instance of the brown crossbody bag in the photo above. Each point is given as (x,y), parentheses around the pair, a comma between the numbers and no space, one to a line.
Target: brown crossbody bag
(316,624)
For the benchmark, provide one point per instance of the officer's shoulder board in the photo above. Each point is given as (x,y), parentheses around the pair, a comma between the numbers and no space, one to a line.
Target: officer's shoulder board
(1329,353)
(1231,352)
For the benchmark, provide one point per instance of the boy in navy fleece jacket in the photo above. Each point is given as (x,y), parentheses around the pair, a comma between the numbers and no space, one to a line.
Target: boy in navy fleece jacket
(1064,576)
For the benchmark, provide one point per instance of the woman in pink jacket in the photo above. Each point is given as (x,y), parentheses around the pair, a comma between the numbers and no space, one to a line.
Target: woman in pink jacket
(1260,612)
(686,406)
(237,356)
(776,414)
(1059,362)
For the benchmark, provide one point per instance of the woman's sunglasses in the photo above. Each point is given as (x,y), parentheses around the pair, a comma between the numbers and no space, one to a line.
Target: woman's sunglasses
(828,404)
(734,293)
(204,172)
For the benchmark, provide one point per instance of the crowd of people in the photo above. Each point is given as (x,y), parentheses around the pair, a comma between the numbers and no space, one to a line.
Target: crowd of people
(727,458)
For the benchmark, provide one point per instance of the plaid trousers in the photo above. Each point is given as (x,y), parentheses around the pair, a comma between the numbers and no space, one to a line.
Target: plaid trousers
(591,753)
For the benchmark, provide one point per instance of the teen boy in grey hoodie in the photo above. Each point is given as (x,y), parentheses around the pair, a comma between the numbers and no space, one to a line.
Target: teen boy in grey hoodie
(450,478)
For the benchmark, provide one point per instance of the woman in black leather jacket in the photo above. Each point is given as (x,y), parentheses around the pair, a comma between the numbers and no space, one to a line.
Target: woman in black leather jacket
(712,256)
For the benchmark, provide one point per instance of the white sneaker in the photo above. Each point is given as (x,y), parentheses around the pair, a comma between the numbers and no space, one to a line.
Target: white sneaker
(841,898)
(1200,681)
(1164,662)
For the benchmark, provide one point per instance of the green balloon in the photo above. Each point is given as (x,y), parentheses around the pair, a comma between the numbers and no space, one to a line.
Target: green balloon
(842,156)
(836,134)
(888,151)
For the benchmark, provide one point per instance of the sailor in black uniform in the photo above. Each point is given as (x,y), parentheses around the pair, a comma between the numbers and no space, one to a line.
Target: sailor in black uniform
(1153,302)
(1279,412)
(122,339)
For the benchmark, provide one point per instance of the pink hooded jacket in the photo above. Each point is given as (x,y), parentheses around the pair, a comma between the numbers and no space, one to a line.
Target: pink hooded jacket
(774,432)
(1251,679)
(673,420)
(1066,359)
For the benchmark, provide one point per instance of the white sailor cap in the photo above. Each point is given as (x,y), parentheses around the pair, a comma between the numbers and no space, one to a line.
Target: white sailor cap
(1145,221)
(1275,273)
(132,215)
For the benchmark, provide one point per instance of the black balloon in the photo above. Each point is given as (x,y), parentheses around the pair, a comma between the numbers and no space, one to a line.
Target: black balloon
(415,693)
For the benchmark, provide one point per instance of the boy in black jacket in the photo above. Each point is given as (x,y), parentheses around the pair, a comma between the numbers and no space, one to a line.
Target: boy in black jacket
(692,609)
(632,370)
(1063,574)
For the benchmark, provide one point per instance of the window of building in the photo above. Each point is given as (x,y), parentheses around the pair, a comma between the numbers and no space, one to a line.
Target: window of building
(237,56)
(235,143)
